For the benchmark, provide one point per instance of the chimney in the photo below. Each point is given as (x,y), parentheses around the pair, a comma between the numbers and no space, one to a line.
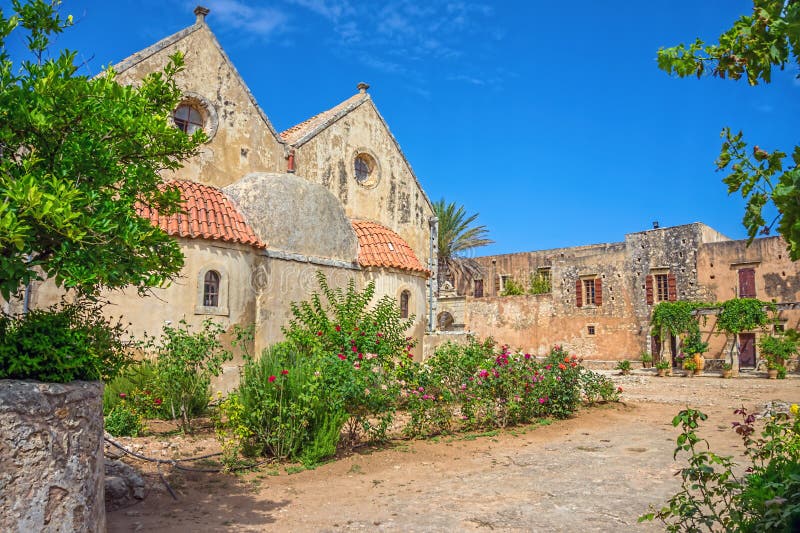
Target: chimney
(201,12)
(362,87)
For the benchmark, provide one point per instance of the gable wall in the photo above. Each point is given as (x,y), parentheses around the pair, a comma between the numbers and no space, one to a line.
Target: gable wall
(243,142)
(396,201)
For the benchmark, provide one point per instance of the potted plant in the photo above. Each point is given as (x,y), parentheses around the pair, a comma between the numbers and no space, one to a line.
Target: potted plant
(772,366)
(661,368)
(694,347)
(727,370)
(690,366)
(647,360)
(776,349)
(624,367)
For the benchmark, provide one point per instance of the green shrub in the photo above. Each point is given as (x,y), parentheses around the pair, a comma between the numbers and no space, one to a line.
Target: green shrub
(597,387)
(184,363)
(136,380)
(624,366)
(512,288)
(539,283)
(281,409)
(713,497)
(66,342)
(124,421)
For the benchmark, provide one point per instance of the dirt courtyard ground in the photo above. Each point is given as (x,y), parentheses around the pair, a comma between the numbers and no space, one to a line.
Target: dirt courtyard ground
(596,472)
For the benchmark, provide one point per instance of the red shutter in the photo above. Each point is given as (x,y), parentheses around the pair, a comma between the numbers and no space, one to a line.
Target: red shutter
(579,293)
(672,288)
(598,291)
(648,289)
(747,283)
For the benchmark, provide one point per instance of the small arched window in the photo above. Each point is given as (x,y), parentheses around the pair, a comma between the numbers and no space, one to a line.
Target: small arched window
(405,296)
(445,321)
(188,119)
(211,289)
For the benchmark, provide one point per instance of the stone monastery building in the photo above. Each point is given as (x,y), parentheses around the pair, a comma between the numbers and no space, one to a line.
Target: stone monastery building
(265,210)
(597,300)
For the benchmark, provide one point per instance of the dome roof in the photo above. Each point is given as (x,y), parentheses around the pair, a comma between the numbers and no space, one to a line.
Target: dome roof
(295,215)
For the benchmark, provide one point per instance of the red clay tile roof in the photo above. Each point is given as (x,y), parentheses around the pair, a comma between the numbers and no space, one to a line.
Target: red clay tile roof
(298,131)
(207,214)
(381,247)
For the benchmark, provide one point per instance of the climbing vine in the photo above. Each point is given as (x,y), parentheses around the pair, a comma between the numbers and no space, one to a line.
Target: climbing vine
(676,317)
(743,314)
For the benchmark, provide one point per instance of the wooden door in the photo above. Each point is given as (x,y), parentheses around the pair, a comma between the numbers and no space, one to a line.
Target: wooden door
(747,350)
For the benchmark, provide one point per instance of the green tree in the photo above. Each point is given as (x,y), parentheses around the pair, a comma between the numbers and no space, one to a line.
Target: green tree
(756,43)
(76,155)
(457,235)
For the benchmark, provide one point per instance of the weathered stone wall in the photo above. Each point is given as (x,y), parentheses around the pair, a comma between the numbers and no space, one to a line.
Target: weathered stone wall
(390,282)
(777,278)
(432,341)
(397,201)
(532,324)
(244,140)
(51,457)
(620,322)
(182,299)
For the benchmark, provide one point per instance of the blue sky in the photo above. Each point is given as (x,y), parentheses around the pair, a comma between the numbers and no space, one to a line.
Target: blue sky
(550,119)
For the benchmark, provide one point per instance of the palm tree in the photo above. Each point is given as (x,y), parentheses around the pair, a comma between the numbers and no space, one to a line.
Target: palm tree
(457,235)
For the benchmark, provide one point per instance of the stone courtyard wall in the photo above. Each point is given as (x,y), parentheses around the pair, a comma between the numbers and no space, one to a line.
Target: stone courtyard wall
(51,457)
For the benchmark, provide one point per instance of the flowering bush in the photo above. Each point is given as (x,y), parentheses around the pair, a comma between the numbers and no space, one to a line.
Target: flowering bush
(123,421)
(496,389)
(431,391)
(358,350)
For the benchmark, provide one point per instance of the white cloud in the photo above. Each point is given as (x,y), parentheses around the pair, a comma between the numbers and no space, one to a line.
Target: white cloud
(333,10)
(240,15)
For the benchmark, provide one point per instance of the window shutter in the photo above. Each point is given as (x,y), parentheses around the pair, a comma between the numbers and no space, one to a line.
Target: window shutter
(747,283)
(598,291)
(648,289)
(672,288)
(579,293)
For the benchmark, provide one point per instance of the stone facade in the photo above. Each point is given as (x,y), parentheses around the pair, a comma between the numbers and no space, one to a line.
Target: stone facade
(690,262)
(265,211)
(51,457)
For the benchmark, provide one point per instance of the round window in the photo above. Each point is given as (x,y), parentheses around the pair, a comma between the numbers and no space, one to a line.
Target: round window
(195,113)
(188,119)
(365,168)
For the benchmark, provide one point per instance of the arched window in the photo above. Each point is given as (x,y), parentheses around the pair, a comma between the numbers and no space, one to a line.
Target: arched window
(404,298)
(188,119)
(445,321)
(211,289)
